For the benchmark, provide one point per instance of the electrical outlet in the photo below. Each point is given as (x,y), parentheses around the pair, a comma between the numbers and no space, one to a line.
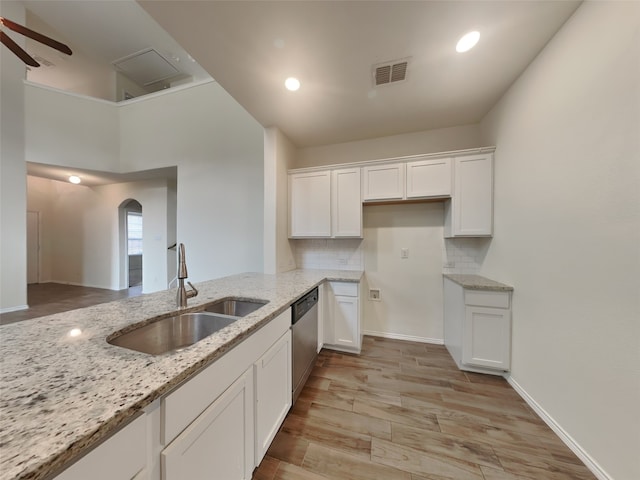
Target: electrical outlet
(374,294)
(404,253)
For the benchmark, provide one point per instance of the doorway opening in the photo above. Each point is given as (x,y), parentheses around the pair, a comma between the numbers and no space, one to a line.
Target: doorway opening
(134,252)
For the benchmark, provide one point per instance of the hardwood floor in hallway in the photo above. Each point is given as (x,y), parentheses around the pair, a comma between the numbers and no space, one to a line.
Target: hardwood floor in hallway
(50,298)
(403,410)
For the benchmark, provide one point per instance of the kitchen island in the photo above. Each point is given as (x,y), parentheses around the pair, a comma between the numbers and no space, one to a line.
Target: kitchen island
(64,389)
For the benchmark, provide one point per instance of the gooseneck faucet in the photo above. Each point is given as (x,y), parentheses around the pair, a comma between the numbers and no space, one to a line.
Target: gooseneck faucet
(183,293)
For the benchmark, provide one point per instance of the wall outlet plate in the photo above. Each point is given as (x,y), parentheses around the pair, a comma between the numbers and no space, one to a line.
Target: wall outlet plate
(374,294)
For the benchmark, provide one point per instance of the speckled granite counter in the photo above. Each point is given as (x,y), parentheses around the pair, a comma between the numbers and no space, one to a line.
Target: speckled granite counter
(476,282)
(61,394)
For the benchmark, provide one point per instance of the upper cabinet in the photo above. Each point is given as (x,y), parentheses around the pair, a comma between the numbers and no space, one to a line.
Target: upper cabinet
(429,178)
(383,182)
(325,203)
(310,204)
(346,203)
(469,213)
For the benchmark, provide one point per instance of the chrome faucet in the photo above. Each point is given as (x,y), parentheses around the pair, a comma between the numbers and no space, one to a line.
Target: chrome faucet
(183,293)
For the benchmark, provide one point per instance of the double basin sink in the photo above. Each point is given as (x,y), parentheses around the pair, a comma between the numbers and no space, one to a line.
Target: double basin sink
(180,331)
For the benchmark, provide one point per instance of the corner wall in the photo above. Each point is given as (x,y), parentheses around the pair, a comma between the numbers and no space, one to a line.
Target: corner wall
(279,156)
(567,232)
(13,174)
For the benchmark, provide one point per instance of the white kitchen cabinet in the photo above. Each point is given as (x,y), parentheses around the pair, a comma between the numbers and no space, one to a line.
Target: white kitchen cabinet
(128,446)
(346,203)
(429,178)
(310,204)
(477,328)
(220,442)
(272,392)
(469,213)
(342,317)
(383,182)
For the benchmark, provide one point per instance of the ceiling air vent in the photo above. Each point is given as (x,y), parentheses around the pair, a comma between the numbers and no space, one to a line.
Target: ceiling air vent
(390,72)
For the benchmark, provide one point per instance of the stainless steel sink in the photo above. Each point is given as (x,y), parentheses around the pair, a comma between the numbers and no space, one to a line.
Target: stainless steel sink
(235,307)
(172,333)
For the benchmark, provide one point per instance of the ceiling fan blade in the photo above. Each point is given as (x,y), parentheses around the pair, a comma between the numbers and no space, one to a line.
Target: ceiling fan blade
(27,32)
(15,48)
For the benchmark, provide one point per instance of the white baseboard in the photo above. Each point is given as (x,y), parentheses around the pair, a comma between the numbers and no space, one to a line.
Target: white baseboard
(14,309)
(590,463)
(400,336)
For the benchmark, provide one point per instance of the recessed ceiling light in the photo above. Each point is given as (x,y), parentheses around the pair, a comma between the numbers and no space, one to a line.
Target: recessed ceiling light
(74,179)
(292,84)
(467,42)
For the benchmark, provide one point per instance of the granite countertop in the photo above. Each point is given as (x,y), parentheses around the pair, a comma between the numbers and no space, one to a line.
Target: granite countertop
(61,394)
(476,282)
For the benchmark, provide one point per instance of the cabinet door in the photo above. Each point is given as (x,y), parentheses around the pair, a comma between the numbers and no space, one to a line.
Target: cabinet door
(346,203)
(128,446)
(220,442)
(429,178)
(310,204)
(345,322)
(472,200)
(487,337)
(383,182)
(273,393)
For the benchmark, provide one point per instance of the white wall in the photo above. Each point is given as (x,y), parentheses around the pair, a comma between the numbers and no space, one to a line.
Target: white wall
(428,141)
(411,296)
(71,130)
(218,148)
(13,183)
(279,156)
(567,231)
(80,232)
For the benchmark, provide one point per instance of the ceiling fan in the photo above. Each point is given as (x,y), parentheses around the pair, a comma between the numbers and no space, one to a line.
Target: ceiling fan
(18,51)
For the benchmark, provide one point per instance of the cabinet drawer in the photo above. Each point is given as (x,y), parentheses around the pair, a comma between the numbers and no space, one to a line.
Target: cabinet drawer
(345,289)
(484,298)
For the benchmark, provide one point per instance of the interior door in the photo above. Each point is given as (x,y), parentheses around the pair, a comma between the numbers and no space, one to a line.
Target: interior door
(33,247)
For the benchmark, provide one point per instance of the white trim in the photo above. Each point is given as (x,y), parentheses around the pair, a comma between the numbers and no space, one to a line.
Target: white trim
(14,309)
(400,336)
(122,103)
(421,156)
(589,462)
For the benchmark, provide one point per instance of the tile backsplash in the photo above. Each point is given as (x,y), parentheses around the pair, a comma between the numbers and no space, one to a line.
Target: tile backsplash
(464,255)
(459,255)
(338,253)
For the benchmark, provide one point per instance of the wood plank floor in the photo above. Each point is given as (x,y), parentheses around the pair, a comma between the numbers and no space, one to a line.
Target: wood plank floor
(49,298)
(402,410)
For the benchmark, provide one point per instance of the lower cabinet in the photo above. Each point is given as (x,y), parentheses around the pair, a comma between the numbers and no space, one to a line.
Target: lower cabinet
(220,440)
(477,328)
(272,393)
(342,329)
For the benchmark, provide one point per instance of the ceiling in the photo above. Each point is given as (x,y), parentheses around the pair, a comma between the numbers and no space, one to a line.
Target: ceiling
(250,47)
(93,178)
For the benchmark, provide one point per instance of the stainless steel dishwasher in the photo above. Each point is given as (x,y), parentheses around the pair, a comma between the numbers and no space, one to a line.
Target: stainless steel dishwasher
(304,333)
